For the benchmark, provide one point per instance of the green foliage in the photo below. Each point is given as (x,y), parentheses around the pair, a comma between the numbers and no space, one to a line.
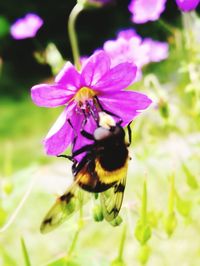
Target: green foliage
(190,178)
(4,26)
(25,253)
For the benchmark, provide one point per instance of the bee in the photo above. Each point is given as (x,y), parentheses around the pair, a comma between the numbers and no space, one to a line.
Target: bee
(103,170)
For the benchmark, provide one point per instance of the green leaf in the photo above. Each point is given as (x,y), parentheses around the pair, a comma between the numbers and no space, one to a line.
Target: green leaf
(64,262)
(25,253)
(183,206)
(190,178)
(4,26)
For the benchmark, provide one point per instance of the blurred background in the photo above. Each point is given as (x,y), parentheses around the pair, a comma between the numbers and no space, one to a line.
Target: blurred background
(166,143)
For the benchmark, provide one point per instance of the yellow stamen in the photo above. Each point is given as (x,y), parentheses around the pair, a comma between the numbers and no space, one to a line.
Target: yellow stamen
(84,94)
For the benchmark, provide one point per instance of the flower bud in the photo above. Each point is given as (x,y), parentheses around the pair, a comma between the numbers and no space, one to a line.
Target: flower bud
(97,213)
(170,223)
(142,232)
(163,108)
(7,187)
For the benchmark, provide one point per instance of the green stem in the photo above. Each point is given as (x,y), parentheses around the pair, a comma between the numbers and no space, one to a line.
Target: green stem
(72,33)
(122,242)
(172,194)
(166,26)
(25,253)
(73,244)
(144,204)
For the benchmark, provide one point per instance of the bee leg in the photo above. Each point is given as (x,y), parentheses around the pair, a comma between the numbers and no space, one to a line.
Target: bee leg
(82,149)
(107,112)
(79,166)
(67,157)
(129,134)
(87,135)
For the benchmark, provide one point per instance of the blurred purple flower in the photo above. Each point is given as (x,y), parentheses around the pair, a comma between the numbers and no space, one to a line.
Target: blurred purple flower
(187,5)
(26,27)
(157,51)
(129,47)
(76,91)
(146,10)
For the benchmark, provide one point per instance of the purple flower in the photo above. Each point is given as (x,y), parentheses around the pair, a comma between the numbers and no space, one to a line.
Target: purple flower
(78,91)
(129,47)
(187,5)
(146,10)
(127,34)
(157,51)
(26,27)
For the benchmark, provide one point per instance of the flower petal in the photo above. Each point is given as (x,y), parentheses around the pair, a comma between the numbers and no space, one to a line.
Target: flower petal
(125,104)
(69,77)
(187,5)
(50,95)
(157,51)
(97,66)
(144,11)
(61,134)
(118,78)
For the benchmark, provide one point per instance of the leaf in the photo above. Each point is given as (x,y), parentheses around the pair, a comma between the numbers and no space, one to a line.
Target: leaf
(190,178)
(25,253)
(183,206)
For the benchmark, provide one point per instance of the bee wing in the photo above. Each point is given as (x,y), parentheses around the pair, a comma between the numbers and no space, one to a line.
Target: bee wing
(111,200)
(63,208)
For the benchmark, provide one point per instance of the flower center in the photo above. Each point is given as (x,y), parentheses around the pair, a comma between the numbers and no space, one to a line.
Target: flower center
(84,94)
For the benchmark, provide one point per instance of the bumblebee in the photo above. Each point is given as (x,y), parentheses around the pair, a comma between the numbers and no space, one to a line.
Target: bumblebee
(103,170)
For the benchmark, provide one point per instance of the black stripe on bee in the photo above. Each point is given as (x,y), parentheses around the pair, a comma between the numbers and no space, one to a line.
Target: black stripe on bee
(47,221)
(119,188)
(67,197)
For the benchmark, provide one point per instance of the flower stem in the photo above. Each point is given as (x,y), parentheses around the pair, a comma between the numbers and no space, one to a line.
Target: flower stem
(72,33)
(122,242)
(73,244)
(166,26)
(171,195)
(144,204)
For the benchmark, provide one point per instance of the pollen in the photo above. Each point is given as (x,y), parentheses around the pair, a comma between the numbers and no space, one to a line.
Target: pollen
(105,120)
(84,94)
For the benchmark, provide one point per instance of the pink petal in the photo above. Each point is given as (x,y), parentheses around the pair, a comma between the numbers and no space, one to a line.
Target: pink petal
(69,77)
(146,10)
(118,78)
(61,134)
(26,27)
(97,66)
(125,104)
(187,5)
(50,95)
(157,51)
